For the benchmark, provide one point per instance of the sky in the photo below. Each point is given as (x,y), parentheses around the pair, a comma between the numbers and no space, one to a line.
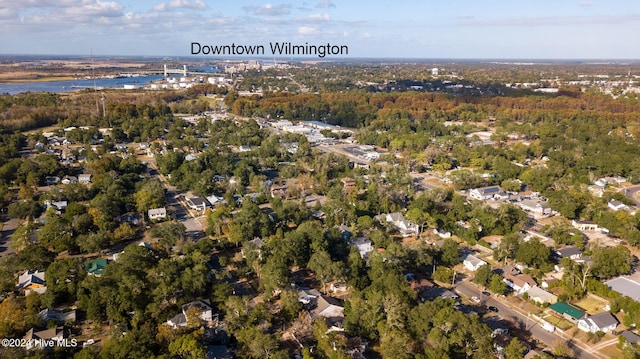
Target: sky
(430,29)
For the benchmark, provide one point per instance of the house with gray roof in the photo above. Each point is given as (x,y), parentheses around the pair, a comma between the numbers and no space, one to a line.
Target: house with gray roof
(328,307)
(569,252)
(157,213)
(203,308)
(33,336)
(540,295)
(540,208)
(57,316)
(473,263)
(602,322)
(625,286)
(631,337)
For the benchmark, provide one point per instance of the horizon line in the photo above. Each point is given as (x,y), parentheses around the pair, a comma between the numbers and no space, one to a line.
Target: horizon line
(334,59)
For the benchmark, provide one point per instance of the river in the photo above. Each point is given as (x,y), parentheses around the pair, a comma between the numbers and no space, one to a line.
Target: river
(74,85)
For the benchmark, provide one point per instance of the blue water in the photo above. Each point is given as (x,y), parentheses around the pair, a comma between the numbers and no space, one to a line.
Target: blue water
(75,85)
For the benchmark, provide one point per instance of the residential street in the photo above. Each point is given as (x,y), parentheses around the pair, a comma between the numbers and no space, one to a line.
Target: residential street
(506,311)
(8,227)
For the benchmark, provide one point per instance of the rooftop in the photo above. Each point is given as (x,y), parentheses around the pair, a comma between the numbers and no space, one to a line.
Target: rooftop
(625,286)
(564,308)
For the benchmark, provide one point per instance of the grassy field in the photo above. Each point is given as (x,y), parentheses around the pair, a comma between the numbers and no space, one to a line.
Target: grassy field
(17,78)
(591,305)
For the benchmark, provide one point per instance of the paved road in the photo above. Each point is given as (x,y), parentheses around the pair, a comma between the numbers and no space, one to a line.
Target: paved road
(181,213)
(8,227)
(529,324)
(630,191)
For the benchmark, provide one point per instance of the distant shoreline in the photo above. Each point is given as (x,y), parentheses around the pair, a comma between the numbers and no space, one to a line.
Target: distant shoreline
(33,80)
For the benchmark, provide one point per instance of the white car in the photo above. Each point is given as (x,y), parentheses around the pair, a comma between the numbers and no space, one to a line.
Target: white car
(475,299)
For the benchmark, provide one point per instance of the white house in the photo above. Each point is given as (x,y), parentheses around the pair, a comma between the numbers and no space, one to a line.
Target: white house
(616,205)
(520,283)
(197,203)
(601,322)
(203,307)
(84,178)
(157,213)
(484,193)
(32,281)
(539,208)
(473,263)
(364,246)
(584,225)
(69,180)
(407,228)
(58,205)
(213,199)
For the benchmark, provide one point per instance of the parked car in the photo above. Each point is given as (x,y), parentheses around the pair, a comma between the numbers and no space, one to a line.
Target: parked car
(493,309)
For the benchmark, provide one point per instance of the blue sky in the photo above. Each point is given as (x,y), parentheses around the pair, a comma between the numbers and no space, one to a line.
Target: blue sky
(522,29)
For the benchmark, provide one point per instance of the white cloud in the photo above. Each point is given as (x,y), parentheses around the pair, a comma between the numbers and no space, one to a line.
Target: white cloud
(8,13)
(180,4)
(319,17)
(307,30)
(268,10)
(324,4)
(99,8)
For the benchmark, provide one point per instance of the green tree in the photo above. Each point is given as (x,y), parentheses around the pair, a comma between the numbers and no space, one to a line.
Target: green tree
(324,268)
(514,350)
(62,278)
(187,346)
(257,344)
(534,253)
(150,195)
(56,233)
(611,261)
(274,276)
(497,285)
(443,274)
(450,254)
(169,233)
(483,275)
(22,237)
